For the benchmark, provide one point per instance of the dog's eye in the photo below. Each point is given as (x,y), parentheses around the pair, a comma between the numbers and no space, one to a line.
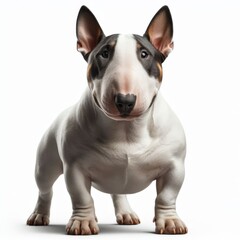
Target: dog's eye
(105,53)
(144,53)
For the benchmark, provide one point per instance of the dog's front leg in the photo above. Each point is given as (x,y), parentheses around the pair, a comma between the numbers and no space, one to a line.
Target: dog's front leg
(124,213)
(83,220)
(168,186)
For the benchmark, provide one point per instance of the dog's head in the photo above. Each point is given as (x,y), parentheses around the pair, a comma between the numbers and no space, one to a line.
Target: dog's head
(124,71)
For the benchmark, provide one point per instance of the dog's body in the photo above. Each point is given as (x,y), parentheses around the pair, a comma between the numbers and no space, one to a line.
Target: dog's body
(121,135)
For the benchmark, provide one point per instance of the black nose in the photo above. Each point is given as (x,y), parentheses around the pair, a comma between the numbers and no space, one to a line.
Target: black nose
(125,103)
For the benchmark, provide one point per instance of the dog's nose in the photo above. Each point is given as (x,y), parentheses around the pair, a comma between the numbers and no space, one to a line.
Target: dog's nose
(125,103)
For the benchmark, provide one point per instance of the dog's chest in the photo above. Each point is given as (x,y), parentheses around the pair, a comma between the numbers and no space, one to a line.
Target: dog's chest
(124,167)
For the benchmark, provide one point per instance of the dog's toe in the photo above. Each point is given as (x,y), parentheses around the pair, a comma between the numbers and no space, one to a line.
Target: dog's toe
(170,226)
(82,227)
(37,219)
(127,219)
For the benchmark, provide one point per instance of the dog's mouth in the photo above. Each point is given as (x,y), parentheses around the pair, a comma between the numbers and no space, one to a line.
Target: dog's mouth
(123,117)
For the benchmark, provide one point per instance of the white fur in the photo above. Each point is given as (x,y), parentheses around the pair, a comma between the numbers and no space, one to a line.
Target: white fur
(114,156)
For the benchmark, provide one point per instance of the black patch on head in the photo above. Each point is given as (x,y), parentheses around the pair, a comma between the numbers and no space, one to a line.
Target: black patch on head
(149,56)
(101,56)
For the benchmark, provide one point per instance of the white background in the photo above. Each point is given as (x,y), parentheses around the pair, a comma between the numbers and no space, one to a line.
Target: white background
(42,73)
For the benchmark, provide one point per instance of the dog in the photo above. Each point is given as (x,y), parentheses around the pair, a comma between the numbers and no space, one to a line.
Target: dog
(121,135)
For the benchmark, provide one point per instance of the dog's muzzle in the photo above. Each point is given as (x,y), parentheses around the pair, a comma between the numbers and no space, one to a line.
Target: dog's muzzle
(125,103)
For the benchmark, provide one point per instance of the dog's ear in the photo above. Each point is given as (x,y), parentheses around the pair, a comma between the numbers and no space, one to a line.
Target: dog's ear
(88,30)
(160,31)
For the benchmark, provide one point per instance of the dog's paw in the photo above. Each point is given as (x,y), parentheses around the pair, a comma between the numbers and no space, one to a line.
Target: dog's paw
(82,227)
(37,219)
(127,219)
(170,226)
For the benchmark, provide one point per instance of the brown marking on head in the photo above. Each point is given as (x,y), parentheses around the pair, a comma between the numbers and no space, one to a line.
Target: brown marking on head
(89,79)
(160,72)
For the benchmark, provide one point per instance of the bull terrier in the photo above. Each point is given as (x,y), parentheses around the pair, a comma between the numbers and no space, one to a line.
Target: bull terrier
(121,135)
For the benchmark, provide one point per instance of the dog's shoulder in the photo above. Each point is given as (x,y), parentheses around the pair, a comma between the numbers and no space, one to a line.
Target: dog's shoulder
(167,126)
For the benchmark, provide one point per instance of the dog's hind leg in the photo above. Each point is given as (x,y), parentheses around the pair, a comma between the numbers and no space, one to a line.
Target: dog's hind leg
(124,213)
(48,168)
